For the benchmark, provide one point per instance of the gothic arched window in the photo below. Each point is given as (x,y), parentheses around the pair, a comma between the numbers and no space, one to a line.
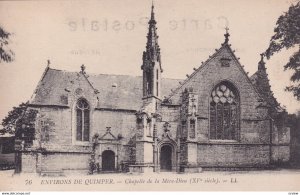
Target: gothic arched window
(224,112)
(82,120)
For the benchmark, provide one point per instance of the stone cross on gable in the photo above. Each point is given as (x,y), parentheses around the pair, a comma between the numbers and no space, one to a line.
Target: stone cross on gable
(226,35)
(108,129)
(227,29)
(82,67)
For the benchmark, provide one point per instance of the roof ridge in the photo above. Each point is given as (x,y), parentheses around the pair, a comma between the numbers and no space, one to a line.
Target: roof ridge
(107,74)
(92,74)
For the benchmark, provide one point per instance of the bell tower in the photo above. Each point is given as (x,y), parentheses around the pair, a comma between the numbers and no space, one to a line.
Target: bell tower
(152,63)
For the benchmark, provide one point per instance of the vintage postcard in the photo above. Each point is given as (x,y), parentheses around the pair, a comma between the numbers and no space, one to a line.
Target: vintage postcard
(163,95)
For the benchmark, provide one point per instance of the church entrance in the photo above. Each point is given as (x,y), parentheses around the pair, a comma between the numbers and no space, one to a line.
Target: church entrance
(108,160)
(166,158)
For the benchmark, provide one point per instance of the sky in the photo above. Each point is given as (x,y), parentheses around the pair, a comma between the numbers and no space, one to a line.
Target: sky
(109,36)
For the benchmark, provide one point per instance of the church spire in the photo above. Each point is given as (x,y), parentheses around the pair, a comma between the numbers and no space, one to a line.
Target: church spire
(152,48)
(152,12)
(151,61)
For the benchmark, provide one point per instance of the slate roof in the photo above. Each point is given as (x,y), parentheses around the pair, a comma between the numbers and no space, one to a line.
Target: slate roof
(261,82)
(115,91)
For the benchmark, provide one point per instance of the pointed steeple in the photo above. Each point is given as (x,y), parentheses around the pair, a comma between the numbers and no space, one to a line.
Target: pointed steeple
(152,48)
(151,61)
(152,12)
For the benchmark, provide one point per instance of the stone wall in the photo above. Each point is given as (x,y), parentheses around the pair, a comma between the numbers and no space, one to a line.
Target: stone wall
(280,154)
(254,127)
(28,163)
(280,145)
(121,122)
(235,155)
(65,161)
(62,151)
(252,147)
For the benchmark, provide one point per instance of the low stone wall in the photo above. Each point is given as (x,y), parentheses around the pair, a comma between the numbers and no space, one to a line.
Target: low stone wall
(29,162)
(280,153)
(233,155)
(55,162)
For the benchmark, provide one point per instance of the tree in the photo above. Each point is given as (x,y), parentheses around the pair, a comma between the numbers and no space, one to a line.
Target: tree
(287,35)
(18,116)
(6,54)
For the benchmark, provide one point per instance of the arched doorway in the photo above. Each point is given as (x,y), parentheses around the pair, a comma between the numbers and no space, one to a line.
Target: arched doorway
(108,160)
(166,158)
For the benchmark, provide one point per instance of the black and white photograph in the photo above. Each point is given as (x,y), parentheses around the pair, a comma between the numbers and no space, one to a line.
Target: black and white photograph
(151,95)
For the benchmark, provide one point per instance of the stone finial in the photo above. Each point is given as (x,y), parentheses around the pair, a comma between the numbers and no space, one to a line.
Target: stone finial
(262,55)
(82,69)
(226,35)
(108,129)
(48,62)
(261,64)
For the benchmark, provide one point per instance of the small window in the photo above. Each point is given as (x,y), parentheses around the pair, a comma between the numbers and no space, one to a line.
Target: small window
(82,120)
(44,132)
(192,128)
(183,129)
(157,88)
(149,124)
(149,84)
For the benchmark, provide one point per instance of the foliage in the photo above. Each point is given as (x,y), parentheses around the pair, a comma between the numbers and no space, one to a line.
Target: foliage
(6,54)
(19,118)
(287,35)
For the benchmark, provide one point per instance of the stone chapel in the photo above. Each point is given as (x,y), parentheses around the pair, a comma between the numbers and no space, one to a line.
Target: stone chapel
(218,118)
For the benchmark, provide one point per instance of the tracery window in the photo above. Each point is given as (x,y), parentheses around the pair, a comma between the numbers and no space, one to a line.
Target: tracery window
(82,120)
(224,112)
